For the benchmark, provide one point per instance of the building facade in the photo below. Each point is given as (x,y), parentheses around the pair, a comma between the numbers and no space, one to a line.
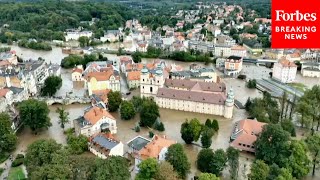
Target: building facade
(104,145)
(284,71)
(95,120)
(233,66)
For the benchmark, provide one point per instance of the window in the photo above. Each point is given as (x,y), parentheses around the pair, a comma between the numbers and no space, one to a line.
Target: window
(143,80)
(150,89)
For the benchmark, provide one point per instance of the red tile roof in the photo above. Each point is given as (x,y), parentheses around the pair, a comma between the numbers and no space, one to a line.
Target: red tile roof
(95,114)
(152,149)
(245,134)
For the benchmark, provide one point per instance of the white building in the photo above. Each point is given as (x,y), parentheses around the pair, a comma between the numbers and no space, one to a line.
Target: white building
(222,51)
(238,50)
(233,66)
(76,34)
(186,95)
(284,71)
(95,120)
(104,145)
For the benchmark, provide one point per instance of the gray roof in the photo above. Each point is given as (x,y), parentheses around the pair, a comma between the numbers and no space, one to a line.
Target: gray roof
(104,142)
(196,96)
(16,90)
(195,85)
(138,143)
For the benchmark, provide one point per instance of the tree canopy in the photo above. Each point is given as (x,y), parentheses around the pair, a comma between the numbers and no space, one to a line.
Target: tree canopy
(178,159)
(191,131)
(7,138)
(34,113)
(114,100)
(212,162)
(127,110)
(51,85)
(149,113)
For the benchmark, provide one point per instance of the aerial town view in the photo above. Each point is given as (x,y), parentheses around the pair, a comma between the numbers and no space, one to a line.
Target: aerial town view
(154,90)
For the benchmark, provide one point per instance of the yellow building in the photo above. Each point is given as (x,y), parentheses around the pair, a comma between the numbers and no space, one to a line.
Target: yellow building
(98,81)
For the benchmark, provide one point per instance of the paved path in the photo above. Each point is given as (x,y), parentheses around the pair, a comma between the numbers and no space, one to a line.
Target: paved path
(5,165)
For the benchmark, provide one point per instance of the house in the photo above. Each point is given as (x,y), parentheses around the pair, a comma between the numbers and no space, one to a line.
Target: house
(238,50)
(133,79)
(204,47)
(75,34)
(76,74)
(136,144)
(95,120)
(222,39)
(10,57)
(157,148)
(233,66)
(7,94)
(310,69)
(245,133)
(284,71)
(54,70)
(142,46)
(106,78)
(104,145)
(100,98)
(37,69)
(111,36)
(222,50)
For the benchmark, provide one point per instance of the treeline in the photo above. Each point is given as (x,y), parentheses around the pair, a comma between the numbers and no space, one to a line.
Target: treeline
(73,60)
(189,56)
(48,20)
(35,45)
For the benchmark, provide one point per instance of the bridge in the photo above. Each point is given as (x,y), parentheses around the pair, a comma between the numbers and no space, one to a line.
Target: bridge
(65,100)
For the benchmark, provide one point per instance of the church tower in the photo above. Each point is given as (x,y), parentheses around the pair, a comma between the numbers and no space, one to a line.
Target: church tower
(228,107)
(144,77)
(151,81)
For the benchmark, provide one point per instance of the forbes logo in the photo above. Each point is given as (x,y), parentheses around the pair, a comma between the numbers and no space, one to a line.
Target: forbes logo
(281,15)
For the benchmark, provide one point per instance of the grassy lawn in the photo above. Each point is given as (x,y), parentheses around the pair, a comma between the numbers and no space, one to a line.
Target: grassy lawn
(16,173)
(298,86)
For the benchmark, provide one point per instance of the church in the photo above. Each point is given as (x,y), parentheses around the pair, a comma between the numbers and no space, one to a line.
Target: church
(186,95)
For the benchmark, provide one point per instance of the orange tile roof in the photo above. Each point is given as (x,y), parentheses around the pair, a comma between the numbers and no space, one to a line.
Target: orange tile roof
(96,113)
(152,149)
(133,75)
(137,66)
(101,76)
(77,70)
(3,92)
(287,63)
(245,133)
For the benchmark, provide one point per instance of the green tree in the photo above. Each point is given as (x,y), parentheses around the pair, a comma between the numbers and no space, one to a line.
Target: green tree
(71,61)
(211,162)
(39,153)
(259,171)
(178,159)
(208,176)
(114,100)
(84,41)
(63,116)
(136,57)
(51,85)
(213,124)
(149,113)
(252,83)
(298,162)
(148,169)
(166,172)
(34,113)
(115,168)
(7,138)
(233,162)
(288,126)
(206,137)
(272,145)
(77,144)
(191,131)
(313,143)
(127,110)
